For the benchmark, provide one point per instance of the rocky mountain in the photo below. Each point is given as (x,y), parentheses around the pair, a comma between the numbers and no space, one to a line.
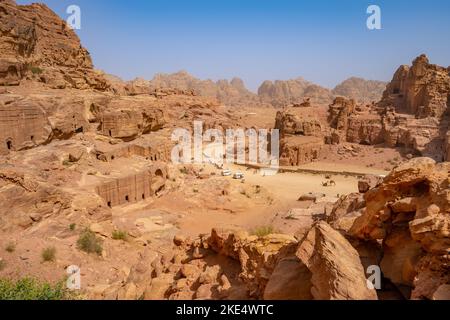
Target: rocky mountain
(282,93)
(36,43)
(364,91)
(231,93)
(271,93)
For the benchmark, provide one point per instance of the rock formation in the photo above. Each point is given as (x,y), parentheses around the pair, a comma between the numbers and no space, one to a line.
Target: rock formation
(409,212)
(284,93)
(361,90)
(37,44)
(422,89)
(231,93)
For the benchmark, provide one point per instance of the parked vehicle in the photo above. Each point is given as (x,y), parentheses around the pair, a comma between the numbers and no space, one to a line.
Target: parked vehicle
(226,173)
(238,176)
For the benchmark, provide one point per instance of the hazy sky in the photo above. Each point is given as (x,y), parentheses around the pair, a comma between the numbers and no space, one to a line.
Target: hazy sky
(321,41)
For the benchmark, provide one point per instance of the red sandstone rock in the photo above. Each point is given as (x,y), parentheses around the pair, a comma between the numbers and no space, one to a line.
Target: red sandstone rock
(337,273)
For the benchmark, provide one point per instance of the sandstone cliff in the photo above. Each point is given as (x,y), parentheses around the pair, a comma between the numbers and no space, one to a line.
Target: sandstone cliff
(361,90)
(36,44)
(231,93)
(284,93)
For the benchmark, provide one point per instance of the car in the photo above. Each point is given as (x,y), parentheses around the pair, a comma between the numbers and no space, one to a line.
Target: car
(226,173)
(238,176)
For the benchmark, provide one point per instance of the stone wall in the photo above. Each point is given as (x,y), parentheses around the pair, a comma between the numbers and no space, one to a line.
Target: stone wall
(133,188)
(121,124)
(22,126)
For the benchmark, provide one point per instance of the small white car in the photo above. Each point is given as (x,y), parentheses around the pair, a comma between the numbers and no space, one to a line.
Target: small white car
(238,176)
(226,173)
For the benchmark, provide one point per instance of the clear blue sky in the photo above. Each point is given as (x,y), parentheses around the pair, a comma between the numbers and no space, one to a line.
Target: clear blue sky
(322,41)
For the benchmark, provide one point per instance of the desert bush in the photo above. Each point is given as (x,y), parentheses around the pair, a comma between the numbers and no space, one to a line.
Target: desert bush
(119,235)
(31,289)
(36,70)
(10,247)
(48,254)
(263,231)
(72,226)
(89,242)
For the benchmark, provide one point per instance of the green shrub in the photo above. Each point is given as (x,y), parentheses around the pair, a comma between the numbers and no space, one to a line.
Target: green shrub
(184,170)
(120,235)
(31,289)
(10,247)
(72,226)
(36,70)
(263,231)
(89,242)
(48,254)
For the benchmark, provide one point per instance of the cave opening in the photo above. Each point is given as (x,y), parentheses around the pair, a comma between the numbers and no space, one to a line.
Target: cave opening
(159,173)
(9,144)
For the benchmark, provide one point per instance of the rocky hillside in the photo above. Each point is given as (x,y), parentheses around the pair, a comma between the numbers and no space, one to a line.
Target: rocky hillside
(283,93)
(364,91)
(271,93)
(37,44)
(231,93)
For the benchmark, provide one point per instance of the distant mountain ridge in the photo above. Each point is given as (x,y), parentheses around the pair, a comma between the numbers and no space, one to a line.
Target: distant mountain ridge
(277,93)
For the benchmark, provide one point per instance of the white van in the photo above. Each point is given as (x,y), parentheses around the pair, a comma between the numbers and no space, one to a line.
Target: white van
(238,175)
(226,173)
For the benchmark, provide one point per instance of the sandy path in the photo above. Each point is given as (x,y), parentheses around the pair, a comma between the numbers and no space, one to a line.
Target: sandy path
(290,186)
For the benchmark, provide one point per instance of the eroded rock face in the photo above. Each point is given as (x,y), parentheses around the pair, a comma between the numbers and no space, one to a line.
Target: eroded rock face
(290,123)
(368,182)
(363,91)
(352,123)
(36,43)
(22,125)
(258,257)
(230,93)
(337,272)
(409,212)
(422,89)
(290,280)
(283,93)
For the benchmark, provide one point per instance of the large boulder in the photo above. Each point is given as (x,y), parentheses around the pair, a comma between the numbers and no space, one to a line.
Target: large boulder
(291,280)
(337,272)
